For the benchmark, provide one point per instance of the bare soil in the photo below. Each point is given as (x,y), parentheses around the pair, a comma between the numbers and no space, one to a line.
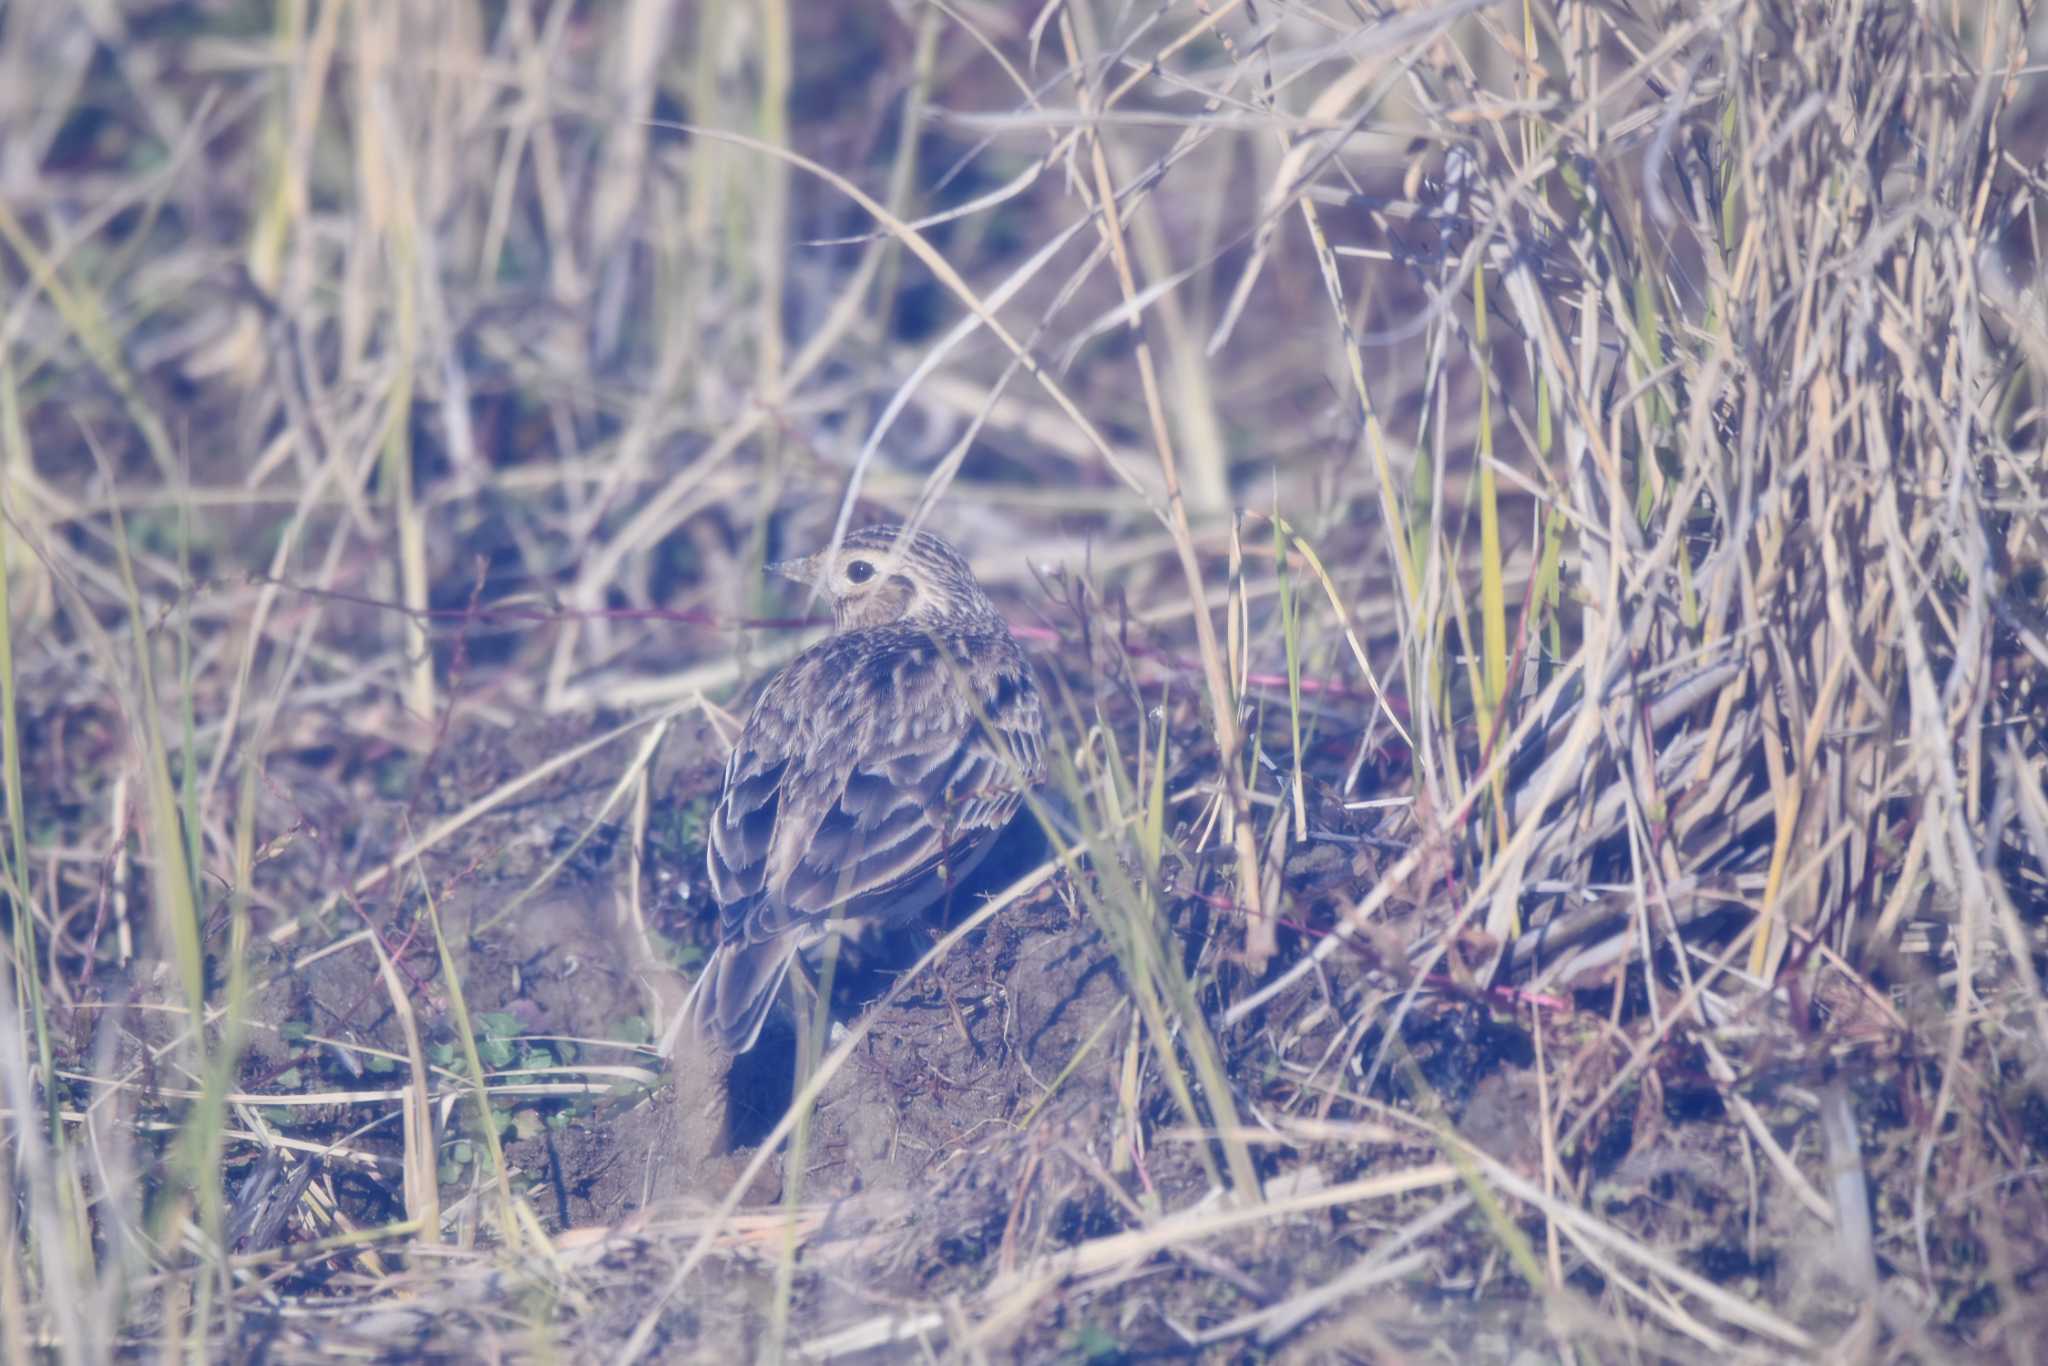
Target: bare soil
(978,1128)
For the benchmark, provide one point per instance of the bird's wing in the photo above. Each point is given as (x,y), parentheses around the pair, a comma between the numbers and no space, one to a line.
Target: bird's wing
(743,824)
(863,769)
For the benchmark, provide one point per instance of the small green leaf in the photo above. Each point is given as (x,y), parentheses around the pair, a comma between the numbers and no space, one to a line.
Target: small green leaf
(499,1024)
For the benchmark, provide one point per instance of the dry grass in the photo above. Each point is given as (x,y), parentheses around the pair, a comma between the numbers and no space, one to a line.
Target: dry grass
(1532,515)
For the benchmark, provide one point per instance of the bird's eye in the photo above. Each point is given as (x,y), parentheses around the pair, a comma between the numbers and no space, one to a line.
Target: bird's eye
(860,571)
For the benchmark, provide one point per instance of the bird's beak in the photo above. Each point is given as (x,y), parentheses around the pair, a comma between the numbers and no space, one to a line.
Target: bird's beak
(803,569)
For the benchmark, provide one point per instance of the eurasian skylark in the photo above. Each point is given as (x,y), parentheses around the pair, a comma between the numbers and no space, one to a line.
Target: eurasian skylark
(873,773)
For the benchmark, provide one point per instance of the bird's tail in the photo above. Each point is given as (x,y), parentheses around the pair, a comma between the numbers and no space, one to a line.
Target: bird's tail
(733,995)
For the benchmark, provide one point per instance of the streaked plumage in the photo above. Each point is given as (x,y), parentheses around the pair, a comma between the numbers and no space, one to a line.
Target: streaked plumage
(873,772)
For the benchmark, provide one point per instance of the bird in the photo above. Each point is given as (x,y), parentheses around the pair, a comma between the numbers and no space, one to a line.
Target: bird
(872,774)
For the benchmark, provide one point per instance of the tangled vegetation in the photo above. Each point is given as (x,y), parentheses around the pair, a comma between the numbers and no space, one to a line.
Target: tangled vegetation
(1529,517)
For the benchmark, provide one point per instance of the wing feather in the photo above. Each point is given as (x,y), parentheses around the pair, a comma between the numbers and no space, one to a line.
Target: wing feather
(866,779)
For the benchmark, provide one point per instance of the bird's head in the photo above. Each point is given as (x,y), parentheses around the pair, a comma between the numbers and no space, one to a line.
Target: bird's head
(880,575)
